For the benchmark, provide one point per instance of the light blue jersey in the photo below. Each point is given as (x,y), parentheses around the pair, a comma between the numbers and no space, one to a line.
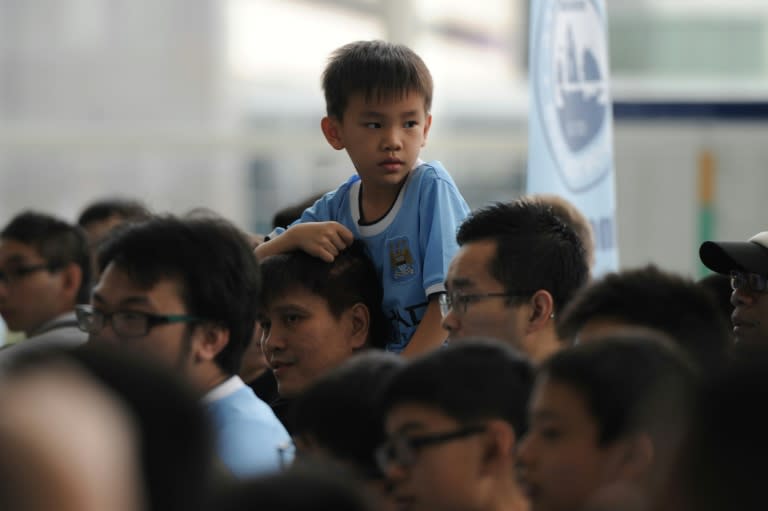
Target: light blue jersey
(411,246)
(249,437)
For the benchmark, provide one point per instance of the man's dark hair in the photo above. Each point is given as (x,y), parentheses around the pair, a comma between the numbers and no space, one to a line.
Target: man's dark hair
(341,411)
(535,249)
(649,297)
(351,278)
(630,383)
(289,214)
(470,381)
(127,209)
(211,261)
(57,241)
(376,69)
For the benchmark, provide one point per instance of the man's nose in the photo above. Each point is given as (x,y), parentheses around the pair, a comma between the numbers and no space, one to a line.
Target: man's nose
(742,297)
(391,140)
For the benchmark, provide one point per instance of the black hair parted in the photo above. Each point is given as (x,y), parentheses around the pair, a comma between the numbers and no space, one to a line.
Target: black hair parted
(650,297)
(57,241)
(535,249)
(350,279)
(480,379)
(376,69)
(209,258)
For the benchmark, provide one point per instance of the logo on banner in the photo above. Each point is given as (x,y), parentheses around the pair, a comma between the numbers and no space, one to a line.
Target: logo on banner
(572,91)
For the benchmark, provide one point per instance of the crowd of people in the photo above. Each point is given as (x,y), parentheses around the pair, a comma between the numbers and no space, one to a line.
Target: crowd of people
(384,347)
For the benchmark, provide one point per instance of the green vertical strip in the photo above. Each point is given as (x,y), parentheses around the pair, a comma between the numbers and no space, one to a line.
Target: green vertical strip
(706,232)
(706,202)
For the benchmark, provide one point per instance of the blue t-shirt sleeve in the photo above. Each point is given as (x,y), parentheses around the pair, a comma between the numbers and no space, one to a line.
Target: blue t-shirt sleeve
(441,211)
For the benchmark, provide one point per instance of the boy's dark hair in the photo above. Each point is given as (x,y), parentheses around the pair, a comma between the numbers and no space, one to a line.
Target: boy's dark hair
(341,411)
(103,209)
(211,261)
(57,241)
(535,249)
(351,278)
(376,69)
(630,383)
(469,381)
(649,297)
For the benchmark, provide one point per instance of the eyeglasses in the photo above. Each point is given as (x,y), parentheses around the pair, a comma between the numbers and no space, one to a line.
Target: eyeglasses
(13,275)
(751,281)
(459,302)
(126,324)
(402,449)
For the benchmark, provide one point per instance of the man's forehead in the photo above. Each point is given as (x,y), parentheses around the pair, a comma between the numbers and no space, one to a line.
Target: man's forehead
(14,251)
(117,286)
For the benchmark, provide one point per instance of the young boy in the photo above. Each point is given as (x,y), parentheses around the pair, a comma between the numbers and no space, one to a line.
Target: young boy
(453,418)
(606,423)
(378,97)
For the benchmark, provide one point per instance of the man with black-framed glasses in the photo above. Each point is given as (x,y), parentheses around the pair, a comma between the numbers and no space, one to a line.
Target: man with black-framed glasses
(44,272)
(184,291)
(517,266)
(746,262)
(453,418)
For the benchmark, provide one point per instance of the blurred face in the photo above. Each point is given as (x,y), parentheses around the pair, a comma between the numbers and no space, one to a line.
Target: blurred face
(440,476)
(303,340)
(750,315)
(170,343)
(30,294)
(492,316)
(562,464)
(383,138)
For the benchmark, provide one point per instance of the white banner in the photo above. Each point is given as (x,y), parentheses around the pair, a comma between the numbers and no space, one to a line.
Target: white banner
(570,127)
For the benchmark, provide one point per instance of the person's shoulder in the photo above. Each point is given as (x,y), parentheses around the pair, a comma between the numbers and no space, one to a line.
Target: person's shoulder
(432,170)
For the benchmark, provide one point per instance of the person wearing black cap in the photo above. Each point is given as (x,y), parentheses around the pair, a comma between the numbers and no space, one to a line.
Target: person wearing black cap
(747,264)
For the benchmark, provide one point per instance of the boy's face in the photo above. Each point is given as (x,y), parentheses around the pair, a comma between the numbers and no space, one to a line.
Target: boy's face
(383,138)
(562,465)
(440,476)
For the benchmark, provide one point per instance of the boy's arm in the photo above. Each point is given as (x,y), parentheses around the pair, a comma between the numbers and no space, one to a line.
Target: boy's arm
(320,239)
(430,333)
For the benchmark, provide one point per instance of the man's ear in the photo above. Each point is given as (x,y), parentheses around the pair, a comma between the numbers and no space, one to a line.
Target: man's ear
(359,324)
(427,126)
(331,127)
(542,310)
(71,279)
(632,458)
(498,450)
(210,342)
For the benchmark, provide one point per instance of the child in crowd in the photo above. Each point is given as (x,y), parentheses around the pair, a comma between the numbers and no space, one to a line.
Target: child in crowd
(378,98)
(606,424)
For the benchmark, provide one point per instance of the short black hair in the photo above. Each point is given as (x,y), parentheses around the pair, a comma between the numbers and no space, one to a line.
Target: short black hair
(58,242)
(535,249)
(376,69)
(351,278)
(341,411)
(650,297)
(209,258)
(129,209)
(471,381)
(630,383)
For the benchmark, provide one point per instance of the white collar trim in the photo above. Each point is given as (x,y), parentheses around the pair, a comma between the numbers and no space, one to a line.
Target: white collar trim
(224,389)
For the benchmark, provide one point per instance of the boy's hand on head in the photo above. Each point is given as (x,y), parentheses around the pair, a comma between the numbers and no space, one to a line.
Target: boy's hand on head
(321,239)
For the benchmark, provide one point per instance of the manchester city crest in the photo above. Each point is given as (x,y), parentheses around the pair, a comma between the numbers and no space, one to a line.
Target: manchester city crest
(570,84)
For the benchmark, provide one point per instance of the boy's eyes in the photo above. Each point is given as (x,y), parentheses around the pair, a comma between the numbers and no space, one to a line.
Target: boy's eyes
(411,124)
(374,125)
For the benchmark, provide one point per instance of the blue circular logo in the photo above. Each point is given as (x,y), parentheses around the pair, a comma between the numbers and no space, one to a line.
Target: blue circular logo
(570,83)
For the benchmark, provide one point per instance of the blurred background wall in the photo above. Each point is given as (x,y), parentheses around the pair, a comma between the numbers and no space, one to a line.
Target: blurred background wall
(216,104)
